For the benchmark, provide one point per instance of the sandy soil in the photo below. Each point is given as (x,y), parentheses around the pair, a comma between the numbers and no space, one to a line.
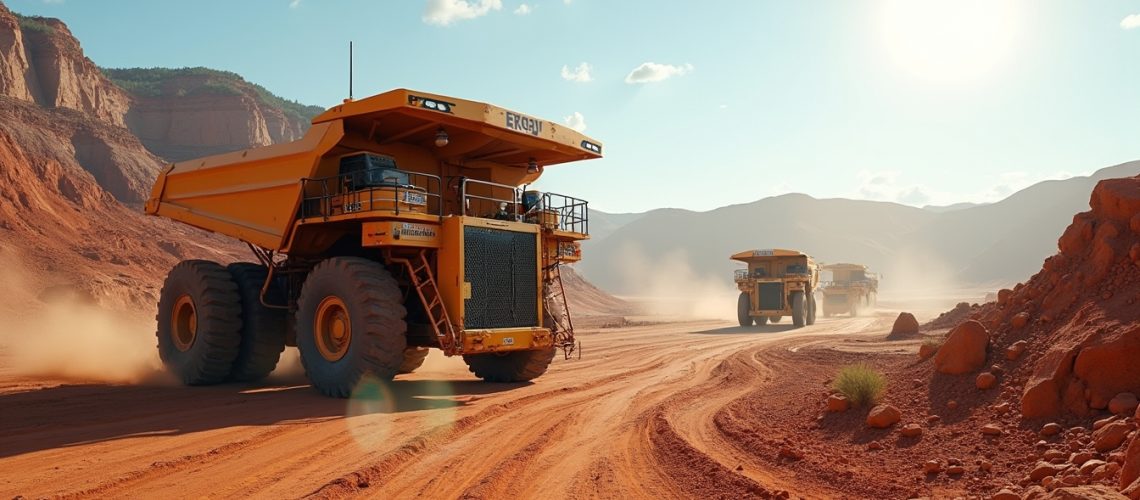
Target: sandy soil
(636,416)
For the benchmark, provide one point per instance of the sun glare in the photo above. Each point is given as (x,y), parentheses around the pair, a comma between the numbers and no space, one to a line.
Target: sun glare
(946,41)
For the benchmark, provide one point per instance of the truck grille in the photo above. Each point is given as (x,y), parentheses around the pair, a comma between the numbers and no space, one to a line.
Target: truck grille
(771,296)
(502,268)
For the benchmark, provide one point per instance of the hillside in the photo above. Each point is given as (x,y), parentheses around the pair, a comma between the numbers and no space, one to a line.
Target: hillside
(915,248)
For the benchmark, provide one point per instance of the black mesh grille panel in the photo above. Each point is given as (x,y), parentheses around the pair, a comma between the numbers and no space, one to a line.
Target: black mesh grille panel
(502,268)
(771,295)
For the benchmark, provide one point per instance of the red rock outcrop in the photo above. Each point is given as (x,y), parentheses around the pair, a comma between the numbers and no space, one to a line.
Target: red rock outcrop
(964,350)
(1078,316)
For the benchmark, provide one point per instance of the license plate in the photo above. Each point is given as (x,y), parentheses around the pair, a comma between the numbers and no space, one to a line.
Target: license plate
(413,198)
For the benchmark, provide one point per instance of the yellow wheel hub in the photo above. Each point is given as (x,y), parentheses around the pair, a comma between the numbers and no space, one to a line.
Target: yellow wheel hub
(184,323)
(332,328)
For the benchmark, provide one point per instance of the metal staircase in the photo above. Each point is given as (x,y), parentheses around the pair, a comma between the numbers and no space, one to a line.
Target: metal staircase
(419,272)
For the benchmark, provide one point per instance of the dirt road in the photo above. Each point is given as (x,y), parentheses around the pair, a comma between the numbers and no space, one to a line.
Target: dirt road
(632,418)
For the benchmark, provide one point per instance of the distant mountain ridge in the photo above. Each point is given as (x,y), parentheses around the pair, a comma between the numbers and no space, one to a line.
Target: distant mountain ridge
(1001,242)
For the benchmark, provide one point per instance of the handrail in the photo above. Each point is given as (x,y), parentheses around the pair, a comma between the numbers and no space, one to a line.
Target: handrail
(513,203)
(364,200)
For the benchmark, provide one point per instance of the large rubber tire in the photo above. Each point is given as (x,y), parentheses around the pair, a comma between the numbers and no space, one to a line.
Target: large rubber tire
(372,304)
(262,328)
(775,319)
(209,322)
(413,358)
(799,313)
(762,320)
(743,305)
(811,305)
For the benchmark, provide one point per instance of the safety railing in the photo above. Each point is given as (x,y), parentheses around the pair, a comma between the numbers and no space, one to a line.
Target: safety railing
(561,212)
(490,206)
(740,275)
(346,193)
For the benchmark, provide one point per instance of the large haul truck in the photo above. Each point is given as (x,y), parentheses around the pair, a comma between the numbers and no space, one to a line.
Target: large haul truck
(399,223)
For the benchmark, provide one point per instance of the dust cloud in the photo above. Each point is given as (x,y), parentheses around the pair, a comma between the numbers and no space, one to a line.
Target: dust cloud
(74,340)
(669,287)
(918,282)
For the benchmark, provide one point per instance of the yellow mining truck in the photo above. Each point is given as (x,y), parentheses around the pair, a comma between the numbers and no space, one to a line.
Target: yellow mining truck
(775,284)
(851,289)
(398,223)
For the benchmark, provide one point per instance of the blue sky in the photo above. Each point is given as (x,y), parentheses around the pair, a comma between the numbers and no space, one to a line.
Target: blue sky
(914,101)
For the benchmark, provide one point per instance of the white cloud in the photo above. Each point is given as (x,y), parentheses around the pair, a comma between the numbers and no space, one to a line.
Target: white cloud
(889,186)
(576,121)
(445,12)
(580,74)
(523,10)
(53,1)
(1130,22)
(294,4)
(652,72)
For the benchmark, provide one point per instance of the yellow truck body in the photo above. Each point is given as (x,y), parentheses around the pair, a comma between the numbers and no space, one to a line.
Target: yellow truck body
(776,283)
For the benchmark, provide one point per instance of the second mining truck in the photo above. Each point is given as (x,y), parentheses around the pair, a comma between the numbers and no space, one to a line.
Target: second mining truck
(398,223)
(775,284)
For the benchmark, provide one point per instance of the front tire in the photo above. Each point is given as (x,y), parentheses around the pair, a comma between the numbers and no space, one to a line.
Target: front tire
(513,366)
(262,329)
(798,312)
(413,358)
(199,322)
(811,309)
(350,324)
(743,307)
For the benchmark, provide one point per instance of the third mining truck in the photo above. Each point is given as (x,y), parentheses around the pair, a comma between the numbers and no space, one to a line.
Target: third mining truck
(775,284)
(398,223)
(851,288)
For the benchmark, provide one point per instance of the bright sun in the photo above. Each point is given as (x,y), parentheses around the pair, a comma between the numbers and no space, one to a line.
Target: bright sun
(950,41)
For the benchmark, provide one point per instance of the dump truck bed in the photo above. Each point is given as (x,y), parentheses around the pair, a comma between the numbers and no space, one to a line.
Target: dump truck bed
(255,195)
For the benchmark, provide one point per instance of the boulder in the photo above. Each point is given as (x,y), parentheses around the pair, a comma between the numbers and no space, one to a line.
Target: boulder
(985,380)
(883,416)
(964,350)
(1019,320)
(1080,458)
(904,325)
(1124,403)
(1111,436)
(837,403)
(1131,469)
(991,430)
(1090,466)
(1043,470)
(955,470)
(1005,494)
(1108,366)
(1003,296)
(1042,396)
(926,350)
(932,467)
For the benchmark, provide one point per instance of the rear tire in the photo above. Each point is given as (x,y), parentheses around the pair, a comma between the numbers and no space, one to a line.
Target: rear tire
(350,324)
(743,307)
(262,329)
(775,319)
(413,358)
(199,322)
(811,309)
(798,312)
(762,320)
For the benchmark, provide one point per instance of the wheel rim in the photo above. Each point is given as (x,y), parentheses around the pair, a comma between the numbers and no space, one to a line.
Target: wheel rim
(332,329)
(184,323)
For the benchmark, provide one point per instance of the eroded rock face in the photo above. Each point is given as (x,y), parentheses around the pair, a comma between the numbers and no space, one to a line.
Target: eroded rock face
(13,59)
(964,350)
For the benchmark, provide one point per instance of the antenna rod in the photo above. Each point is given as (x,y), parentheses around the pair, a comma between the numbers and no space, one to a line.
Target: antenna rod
(350,69)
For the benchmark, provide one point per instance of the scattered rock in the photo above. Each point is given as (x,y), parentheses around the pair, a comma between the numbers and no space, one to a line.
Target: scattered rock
(787,452)
(1002,408)
(952,405)
(955,470)
(1080,458)
(1014,351)
(911,431)
(837,403)
(1057,456)
(985,465)
(933,419)
(964,350)
(1005,494)
(1033,493)
(905,324)
(932,467)
(985,380)
(874,446)
(1051,429)
(883,416)
(1111,436)
(1043,470)
(991,430)
(1090,466)
(1124,403)
(1094,492)
(1103,422)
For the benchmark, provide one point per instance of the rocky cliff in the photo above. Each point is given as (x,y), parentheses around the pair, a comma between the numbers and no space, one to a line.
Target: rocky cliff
(185,113)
